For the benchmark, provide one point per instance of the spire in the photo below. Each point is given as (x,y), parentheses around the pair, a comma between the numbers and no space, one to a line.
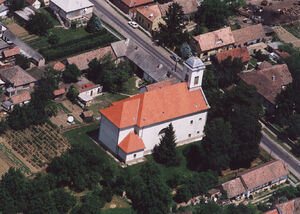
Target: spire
(193,72)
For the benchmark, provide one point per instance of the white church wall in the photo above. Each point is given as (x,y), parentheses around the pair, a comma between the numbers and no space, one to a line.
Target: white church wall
(131,156)
(108,134)
(184,129)
(124,132)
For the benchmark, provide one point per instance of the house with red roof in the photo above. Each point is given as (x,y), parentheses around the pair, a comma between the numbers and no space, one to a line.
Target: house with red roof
(288,207)
(87,93)
(130,6)
(130,128)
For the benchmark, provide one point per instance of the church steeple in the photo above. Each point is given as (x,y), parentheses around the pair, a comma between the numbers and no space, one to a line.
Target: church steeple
(193,72)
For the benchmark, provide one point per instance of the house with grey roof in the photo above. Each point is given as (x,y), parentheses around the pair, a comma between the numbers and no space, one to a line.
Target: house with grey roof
(152,68)
(72,11)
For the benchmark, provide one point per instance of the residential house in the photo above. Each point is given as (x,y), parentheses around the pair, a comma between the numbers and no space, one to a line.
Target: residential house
(149,17)
(19,99)
(289,207)
(35,58)
(269,81)
(249,35)
(130,128)
(3,8)
(71,11)
(130,6)
(9,54)
(23,15)
(241,53)
(149,67)
(189,7)
(59,66)
(34,3)
(16,80)
(87,93)
(208,44)
(256,179)
(82,60)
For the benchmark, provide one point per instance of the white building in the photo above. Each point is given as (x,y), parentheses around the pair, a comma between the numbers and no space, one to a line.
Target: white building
(132,127)
(34,3)
(87,93)
(72,10)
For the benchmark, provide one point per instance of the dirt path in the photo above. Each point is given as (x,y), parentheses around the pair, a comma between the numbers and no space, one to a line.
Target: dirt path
(286,36)
(75,109)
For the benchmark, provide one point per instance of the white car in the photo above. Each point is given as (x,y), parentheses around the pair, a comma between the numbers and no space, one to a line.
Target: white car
(133,24)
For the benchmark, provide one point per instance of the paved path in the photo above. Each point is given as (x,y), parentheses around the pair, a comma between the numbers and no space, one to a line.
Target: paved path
(119,23)
(278,152)
(286,36)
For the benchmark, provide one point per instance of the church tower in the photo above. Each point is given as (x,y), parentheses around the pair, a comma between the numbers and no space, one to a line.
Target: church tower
(193,72)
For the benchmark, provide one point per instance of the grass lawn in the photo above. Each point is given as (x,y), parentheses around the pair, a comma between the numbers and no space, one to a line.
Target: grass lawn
(50,15)
(130,87)
(293,29)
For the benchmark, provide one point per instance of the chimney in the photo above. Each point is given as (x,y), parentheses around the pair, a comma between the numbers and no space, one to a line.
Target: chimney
(273,78)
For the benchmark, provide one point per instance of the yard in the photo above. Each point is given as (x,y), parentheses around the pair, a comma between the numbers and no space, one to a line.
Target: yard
(38,145)
(293,28)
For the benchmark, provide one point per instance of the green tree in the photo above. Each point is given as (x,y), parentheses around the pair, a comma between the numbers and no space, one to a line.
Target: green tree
(16,4)
(94,25)
(71,73)
(217,143)
(64,201)
(148,191)
(165,152)
(185,50)
(72,94)
(260,56)
(53,39)
(39,24)
(22,61)
(293,129)
(213,14)
(171,33)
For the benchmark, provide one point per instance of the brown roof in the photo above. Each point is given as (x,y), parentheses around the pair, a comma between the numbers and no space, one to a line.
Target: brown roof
(282,54)
(82,60)
(272,212)
(20,98)
(88,113)
(59,92)
(30,1)
(11,52)
(149,12)
(289,207)
(16,76)
(264,65)
(2,1)
(264,173)
(59,66)
(248,34)
(132,3)
(269,81)
(234,187)
(188,7)
(161,84)
(215,39)
(235,53)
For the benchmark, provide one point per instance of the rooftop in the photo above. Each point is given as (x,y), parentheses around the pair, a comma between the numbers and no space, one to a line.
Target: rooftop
(264,173)
(16,76)
(82,60)
(135,3)
(156,106)
(11,52)
(58,92)
(20,98)
(234,53)
(150,12)
(194,62)
(247,34)
(132,143)
(234,187)
(215,39)
(59,66)
(72,5)
(269,81)
(188,7)
(162,84)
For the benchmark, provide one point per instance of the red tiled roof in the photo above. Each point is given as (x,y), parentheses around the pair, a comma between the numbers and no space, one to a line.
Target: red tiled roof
(156,106)
(11,52)
(30,1)
(82,60)
(188,7)
(282,54)
(59,92)
(132,143)
(234,187)
(215,39)
(264,173)
(264,65)
(269,81)
(286,207)
(272,212)
(20,98)
(2,1)
(161,84)
(234,53)
(59,66)
(247,34)
(150,12)
(132,3)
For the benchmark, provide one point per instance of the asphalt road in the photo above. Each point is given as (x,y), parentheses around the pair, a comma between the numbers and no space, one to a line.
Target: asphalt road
(279,152)
(118,20)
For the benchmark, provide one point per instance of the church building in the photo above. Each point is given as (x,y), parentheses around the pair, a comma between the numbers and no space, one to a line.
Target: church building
(130,128)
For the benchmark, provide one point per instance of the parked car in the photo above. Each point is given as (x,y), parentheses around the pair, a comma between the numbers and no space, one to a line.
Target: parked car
(175,57)
(133,24)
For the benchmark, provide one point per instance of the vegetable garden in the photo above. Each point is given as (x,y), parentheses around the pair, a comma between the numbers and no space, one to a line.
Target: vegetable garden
(38,145)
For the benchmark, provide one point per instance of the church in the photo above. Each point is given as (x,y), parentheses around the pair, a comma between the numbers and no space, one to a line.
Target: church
(130,128)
